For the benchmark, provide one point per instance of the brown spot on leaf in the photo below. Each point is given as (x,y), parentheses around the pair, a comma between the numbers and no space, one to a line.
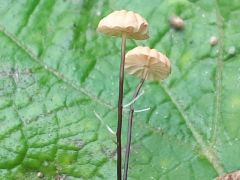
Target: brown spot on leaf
(176,22)
(213,41)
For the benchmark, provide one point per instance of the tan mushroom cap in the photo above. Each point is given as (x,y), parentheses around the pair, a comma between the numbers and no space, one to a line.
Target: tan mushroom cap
(119,22)
(145,62)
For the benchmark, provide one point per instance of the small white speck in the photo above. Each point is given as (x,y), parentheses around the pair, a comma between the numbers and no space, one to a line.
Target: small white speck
(98,13)
(40,175)
(232,50)
(45,163)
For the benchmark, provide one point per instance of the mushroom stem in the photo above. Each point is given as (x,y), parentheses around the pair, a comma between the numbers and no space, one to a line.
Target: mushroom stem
(130,122)
(120,109)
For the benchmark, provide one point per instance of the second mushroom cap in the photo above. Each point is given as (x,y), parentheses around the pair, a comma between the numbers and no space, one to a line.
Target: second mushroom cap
(147,63)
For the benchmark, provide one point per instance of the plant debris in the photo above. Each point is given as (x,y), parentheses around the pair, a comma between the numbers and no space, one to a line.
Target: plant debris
(176,22)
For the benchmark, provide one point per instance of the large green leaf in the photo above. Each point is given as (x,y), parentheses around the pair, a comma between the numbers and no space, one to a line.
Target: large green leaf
(57,72)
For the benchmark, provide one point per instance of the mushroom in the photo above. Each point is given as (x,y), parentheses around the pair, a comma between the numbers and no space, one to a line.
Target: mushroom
(126,24)
(148,64)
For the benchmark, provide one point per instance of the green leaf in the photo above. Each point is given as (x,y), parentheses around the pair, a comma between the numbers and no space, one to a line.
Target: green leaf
(57,73)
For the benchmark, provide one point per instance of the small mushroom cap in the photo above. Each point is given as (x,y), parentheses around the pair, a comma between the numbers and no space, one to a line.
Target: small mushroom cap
(147,63)
(119,22)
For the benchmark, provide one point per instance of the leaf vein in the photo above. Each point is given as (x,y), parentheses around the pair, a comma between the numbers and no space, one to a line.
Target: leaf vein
(218,78)
(54,72)
(207,150)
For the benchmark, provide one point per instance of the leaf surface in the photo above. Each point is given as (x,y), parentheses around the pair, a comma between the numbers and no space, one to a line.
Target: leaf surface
(58,76)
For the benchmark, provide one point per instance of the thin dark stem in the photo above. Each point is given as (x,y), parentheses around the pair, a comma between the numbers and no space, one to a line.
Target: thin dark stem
(120,109)
(130,122)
